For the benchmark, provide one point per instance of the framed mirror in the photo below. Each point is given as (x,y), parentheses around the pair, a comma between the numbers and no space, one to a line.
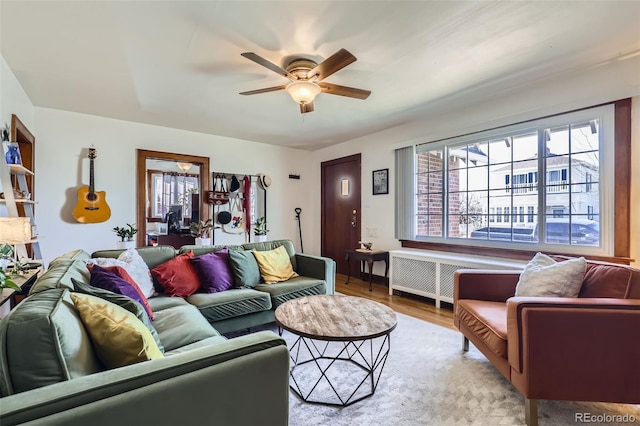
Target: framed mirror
(171,190)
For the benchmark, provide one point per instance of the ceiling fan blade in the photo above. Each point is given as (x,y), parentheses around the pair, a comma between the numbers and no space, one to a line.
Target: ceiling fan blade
(265,90)
(350,92)
(273,67)
(332,64)
(305,108)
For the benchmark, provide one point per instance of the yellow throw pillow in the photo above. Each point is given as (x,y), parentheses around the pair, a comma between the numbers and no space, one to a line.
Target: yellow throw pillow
(275,265)
(119,338)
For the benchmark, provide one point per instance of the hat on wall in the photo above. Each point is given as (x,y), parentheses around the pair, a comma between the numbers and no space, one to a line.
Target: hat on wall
(264,181)
(224,217)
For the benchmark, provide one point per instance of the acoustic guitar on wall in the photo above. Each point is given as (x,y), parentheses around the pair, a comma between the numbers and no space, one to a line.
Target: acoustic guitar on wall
(92,205)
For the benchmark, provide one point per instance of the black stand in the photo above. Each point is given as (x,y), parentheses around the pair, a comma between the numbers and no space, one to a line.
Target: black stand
(298,210)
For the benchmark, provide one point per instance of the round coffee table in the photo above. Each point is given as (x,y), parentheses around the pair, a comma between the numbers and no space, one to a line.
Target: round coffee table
(361,328)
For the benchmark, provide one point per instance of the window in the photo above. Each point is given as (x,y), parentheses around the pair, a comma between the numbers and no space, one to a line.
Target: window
(555,167)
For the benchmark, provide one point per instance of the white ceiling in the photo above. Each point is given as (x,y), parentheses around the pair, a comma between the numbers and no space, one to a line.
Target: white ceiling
(178,63)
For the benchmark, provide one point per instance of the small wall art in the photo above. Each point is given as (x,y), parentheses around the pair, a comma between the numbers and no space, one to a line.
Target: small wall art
(380,181)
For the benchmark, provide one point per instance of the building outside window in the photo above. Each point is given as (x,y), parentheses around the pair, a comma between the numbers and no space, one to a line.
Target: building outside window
(466,183)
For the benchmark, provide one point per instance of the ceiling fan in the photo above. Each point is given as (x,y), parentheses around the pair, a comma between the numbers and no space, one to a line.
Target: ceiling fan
(306,78)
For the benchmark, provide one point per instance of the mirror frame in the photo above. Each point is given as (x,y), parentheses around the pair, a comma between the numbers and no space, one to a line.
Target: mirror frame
(141,187)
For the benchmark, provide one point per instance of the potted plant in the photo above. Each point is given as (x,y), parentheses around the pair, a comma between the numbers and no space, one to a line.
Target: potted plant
(6,255)
(260,229)
(202,231)
(126,234)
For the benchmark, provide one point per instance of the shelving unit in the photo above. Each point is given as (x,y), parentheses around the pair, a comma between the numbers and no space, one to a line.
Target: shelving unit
(22,177)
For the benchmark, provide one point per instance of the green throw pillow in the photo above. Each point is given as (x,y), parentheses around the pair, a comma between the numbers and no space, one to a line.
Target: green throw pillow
(121,300)
(244,267)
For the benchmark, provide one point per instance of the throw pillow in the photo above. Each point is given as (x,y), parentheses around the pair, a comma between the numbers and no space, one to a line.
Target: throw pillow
(119,338)
(123,301)
(138,269)
(109,280)
(134,264)
(275,265)
(214,271)
(177,276)
(545,277)
(122,273)
(244,267)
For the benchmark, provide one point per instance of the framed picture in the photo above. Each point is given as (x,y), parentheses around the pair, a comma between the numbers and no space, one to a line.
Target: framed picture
(12,152)
(380,181)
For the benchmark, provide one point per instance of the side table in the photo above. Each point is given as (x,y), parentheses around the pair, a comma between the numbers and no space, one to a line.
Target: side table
(25,281)
(368,256)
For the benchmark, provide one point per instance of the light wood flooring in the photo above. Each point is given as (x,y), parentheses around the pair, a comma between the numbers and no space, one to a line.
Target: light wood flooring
(415,306)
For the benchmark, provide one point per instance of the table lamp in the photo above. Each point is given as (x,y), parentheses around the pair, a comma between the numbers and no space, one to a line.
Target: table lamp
(14,231)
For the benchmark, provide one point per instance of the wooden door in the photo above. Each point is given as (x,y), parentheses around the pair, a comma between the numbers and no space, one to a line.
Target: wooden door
(340,205)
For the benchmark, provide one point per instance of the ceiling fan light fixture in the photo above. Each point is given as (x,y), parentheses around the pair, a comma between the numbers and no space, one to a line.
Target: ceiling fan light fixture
(303,92)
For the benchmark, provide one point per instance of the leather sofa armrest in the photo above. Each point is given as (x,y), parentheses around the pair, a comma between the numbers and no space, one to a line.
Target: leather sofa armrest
(187,388)
(560,340)
(321,268)
(484,284)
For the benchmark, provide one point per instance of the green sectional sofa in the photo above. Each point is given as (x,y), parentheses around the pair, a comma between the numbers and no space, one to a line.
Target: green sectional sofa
(50,373)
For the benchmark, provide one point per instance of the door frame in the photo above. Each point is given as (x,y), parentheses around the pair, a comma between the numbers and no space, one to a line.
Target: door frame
(357,193)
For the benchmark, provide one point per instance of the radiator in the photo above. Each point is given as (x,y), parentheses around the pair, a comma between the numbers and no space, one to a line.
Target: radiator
(430,274)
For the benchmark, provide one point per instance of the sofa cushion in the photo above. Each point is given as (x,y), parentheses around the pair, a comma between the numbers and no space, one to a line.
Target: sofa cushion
(214,271)
(46,324)
(270,245)
(135,266)
(177,276)
(292,289)
(181,325)
(163,301)
(544,277)
(123,301)
(231,303)
(72,255)
(118,337)
(114,280)
(275,265)
(60,273)
(215,340)
(602,280)
(244,266)
(487,320)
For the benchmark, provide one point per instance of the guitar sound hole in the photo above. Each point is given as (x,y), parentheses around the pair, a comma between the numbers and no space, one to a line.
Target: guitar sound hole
(92,197)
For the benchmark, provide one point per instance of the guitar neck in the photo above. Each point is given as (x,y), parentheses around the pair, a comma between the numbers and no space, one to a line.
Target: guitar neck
(91,183)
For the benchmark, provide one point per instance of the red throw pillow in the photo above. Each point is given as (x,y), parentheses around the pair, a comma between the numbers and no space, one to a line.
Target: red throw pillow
(178,277)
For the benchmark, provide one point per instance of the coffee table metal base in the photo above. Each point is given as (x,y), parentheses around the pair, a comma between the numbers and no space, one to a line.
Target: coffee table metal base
(365,354)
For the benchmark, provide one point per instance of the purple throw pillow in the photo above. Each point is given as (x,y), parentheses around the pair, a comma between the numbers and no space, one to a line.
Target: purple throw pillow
(214,271)
(109,280)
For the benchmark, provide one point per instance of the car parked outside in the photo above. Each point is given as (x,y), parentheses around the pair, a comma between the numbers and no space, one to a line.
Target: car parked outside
(581,232)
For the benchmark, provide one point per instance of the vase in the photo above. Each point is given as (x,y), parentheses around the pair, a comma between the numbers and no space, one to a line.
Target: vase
(203,241)
(261,238)
(123,245)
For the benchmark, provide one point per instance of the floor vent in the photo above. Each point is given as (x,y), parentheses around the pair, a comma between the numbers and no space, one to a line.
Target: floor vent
(430,274)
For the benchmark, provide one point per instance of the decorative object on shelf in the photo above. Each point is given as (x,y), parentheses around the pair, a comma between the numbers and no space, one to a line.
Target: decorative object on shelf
(380,181)
(202,232)
(92,205)
(12,152)
(260,229)
(4,133)
(365,246)
(126,234)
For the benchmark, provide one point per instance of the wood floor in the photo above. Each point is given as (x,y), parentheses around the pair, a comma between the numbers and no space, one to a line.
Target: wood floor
(415,306)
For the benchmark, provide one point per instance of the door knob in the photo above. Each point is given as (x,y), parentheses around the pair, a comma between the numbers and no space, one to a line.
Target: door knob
(354,219)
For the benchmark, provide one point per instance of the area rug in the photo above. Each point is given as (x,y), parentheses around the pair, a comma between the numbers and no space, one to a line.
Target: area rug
(428,380)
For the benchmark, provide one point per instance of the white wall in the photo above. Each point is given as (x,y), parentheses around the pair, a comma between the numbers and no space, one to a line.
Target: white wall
(607,83)
(13,99)
(62,167)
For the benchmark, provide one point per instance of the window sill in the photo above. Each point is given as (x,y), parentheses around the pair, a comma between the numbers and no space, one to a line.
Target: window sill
(505,253)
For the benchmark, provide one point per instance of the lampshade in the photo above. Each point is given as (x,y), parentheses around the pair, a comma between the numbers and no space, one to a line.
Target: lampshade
(303,92)
(15,230)
(184,166)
